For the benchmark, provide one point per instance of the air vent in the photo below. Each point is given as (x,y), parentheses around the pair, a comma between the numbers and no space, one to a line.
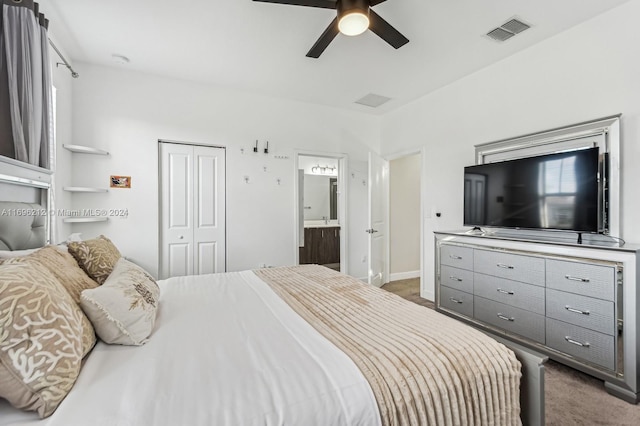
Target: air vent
(508,30)
(372,100)
(515,26)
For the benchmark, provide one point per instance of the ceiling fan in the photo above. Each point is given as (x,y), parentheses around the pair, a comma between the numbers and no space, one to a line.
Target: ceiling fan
(354,18)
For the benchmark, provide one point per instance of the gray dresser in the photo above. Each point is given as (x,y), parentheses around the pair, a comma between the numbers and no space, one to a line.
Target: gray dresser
(575,303)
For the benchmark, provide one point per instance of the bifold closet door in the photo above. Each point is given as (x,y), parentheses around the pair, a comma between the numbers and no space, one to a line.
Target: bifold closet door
(192,235)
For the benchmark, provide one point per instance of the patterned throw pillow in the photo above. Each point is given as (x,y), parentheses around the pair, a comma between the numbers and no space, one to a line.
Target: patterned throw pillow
(123,309)
(97,257)
(66,270)
(40,338)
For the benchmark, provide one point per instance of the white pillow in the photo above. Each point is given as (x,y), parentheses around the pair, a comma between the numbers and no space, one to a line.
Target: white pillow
(123,309)
(8,254)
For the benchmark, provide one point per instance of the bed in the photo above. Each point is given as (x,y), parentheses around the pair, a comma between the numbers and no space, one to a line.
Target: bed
(300,345)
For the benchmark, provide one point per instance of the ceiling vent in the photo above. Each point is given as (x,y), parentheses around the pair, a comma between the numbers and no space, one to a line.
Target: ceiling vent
(372,100)
(508,29)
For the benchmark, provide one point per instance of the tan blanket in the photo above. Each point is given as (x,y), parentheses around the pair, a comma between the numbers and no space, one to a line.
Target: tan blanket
(424,368)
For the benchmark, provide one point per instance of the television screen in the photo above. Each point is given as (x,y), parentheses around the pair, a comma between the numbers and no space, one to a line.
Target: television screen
(555,191)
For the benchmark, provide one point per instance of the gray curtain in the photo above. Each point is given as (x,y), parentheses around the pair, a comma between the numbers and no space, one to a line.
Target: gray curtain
(24,48)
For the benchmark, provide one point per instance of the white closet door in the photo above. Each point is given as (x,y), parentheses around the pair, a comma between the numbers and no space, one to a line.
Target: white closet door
(192,235)
(209,210)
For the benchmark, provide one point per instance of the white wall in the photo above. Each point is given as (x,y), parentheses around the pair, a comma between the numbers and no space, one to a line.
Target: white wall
(126,113)
(587,72)
(404,215)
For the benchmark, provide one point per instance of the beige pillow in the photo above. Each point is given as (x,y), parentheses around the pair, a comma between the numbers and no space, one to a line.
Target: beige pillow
(123,309)
(96,257)
(40,338)
(66,271)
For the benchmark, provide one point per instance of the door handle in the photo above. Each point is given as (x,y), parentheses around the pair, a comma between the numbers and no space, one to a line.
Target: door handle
(371,231)
(181,237)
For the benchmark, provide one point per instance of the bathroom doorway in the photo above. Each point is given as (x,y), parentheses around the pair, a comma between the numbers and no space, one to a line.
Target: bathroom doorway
(321,199)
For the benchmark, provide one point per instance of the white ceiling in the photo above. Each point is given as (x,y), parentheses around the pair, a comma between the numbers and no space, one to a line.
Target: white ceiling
(261,47)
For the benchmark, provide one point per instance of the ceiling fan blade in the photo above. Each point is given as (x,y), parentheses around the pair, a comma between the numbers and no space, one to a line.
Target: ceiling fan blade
(385,31)
(327,37)
(374,2)
(325,4)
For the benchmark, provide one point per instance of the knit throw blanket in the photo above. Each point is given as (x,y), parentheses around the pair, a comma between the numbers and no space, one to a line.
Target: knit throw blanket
(424,368)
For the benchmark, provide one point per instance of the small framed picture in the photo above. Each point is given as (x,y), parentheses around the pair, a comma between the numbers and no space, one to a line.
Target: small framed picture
(120,182)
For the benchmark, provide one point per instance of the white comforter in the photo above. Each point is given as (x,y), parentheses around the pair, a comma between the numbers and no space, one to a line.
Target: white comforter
(226,351)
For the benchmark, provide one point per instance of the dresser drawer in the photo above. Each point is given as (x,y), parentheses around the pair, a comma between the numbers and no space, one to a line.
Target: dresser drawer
(579,342)
(587,312)
(456,300)
(515,320)
(516,267)
(582,278)
(457,278)
(514,293)
(456,256)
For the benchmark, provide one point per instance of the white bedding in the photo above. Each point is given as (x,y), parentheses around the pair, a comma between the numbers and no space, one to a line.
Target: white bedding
(226,351)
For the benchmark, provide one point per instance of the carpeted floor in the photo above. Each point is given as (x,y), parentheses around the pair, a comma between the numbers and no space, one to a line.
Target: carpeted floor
(571,397)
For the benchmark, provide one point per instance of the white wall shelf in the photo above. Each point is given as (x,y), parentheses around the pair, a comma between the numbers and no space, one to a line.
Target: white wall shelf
(85,219)
(85,149)
(83,189)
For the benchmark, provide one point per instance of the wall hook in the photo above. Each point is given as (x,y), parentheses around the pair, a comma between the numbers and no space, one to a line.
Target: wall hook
(266,149)
(255,148)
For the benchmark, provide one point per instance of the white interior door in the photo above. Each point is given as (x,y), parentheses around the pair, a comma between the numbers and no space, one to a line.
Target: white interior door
(209,210)
(176,237)
(378,173)
(192,235)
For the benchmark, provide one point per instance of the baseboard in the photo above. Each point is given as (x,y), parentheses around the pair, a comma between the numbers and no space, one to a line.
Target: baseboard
(429,295)
(404,275)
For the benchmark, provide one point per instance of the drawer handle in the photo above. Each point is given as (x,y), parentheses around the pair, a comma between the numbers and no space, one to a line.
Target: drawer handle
(575,342)
(576,311)
(455,300)
(505,291)
(453,256)
(502,265)
(452,278)
(506,318)
(582,280)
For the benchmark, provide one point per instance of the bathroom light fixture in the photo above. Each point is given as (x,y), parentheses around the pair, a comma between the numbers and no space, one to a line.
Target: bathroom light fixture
(323,170)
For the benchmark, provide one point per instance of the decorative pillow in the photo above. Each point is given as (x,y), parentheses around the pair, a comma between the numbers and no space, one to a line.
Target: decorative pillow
(123,309)
(66,271)
(40,338)
(97,256)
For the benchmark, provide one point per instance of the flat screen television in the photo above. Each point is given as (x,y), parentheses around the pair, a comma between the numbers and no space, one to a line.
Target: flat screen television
(557,191)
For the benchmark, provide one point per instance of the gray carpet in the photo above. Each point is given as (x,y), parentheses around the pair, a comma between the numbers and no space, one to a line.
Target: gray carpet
(571,397)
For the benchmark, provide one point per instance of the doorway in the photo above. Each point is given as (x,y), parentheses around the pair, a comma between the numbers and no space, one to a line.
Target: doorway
(321,227)
(405,233)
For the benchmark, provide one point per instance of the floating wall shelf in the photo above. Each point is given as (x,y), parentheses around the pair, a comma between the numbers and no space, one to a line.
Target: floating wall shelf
(83,189)
(85,149)
(84,219)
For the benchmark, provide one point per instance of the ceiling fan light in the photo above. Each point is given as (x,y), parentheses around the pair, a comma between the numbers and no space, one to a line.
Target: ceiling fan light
(353,24)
